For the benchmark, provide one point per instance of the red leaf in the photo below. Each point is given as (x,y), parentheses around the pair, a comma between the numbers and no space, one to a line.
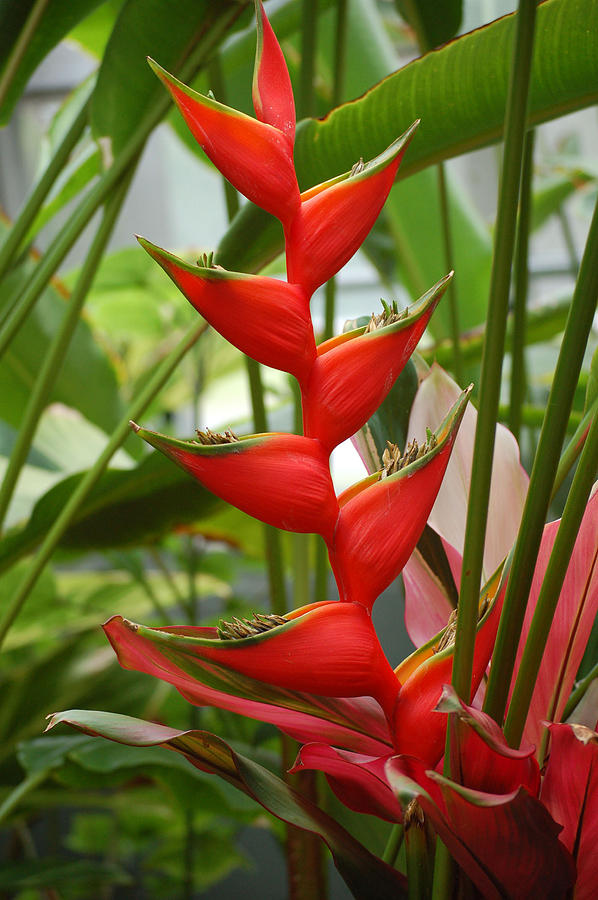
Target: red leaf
(272,92)
(265,318)
(335,217)
(255,157)
(354,372)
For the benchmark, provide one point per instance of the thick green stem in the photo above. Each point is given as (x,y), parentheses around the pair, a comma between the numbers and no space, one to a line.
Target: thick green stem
(393,844)
(41,190)
(98,193)
(518,373)
(340,52)
(14,798)
(57,350)
(493,352)
(574,341)
(20,47)
(551,589)
(90,479)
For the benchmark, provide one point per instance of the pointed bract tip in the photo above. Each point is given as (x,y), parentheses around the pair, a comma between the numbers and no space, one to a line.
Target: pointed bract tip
(130,625)
(134,426)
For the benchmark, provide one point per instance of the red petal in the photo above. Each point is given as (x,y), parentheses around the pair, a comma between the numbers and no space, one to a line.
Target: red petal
(380,521)
(256,158)
(281,479)
(272,92)
(357,780)
(335,217)
(507,843)
(570,792)
(482,756)
(295,656)
(571,626)
(355,723)
(354,372)
(265,318)
(419,730)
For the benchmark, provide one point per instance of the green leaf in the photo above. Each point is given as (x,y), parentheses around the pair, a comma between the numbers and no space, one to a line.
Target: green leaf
(433,23)
(57,20)
(20,363)
(39,873)
(366,876)
(126,88)
(75,176)
(124,509)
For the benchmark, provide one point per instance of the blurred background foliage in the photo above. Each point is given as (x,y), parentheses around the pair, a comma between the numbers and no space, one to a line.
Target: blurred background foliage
(81,818)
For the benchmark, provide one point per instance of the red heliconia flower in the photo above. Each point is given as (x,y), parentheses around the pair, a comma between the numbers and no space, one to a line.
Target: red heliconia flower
(255,156)
(336,216)
(382,517)
(272,91)
(265,318)
(281,479)
(353,373)
(291,652)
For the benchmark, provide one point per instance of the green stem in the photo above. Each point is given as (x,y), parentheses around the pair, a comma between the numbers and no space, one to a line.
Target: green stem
(569,241)
(393,844)
(447,235)
(550,591)
(57,350)
(442,885)
(574,448)
(90,479)
(518,372)
(340,52)
(579,691)
(167,576)
(98,193)
(574,341)
(309,35)
(41,190)
(493,352)
(329,308)
(20,48)
(28,784)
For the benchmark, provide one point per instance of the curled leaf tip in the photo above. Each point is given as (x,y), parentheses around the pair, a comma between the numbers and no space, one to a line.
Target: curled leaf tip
(130,625)
(134,426)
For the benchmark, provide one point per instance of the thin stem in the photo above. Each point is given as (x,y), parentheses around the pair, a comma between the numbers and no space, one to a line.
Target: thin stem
(569,241)
(329,308)
(543,474)
(393,844)
(28,784)
(20,48)
(90,479)
(97,194)
(58,348)
(518,370)
(41,190)
(551,588)
(493,352)
(579,692)
(447,234)
(340,52)
(573,448)
(167,576)
(309,36)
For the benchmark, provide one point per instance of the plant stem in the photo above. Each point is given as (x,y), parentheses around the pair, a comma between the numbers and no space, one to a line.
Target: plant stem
(309,35)
(518,372)
(574,448)
(58,348)
(543,474)
(447,235)
(492,356)
(20,48)
(579,691)
(39,193)
(28,784)
(340,52)
(97,194)
(92,476)
(551,588)
(393,844)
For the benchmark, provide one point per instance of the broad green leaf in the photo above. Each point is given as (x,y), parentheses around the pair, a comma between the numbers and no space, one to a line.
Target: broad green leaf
(444,90)
(58,18)
(92,33)
(126,87)
(433,23)
(21,362)
(125,508)
(366,876)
